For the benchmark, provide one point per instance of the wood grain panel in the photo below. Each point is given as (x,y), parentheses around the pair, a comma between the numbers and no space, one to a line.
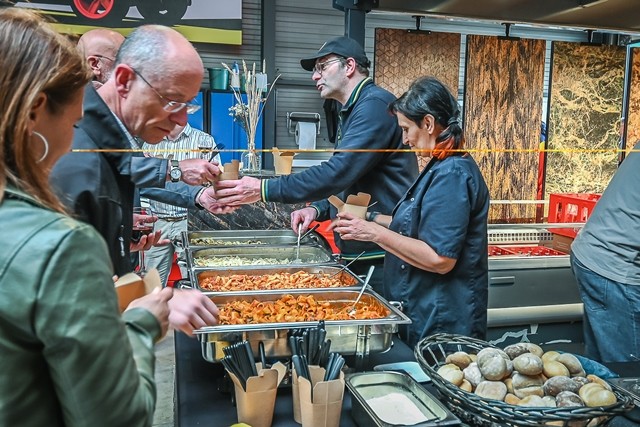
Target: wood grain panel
(503,109)
(633,119)
(584,111)
(401,57)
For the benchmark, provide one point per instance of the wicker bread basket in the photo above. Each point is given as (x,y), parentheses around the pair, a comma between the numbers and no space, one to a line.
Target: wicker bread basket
(431,353)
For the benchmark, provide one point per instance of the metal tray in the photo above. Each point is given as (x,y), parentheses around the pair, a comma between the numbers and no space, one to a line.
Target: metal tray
(228,238)
(359,337)
(343,274)
(281,255)
(399,401)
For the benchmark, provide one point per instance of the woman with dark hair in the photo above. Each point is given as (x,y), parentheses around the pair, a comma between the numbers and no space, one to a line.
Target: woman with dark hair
(68,357)
(436,237)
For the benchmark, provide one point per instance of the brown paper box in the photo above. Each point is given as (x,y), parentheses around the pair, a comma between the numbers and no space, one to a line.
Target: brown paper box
(326,407)
(255,405)
(562,243)
(282,161)
(131,286)
(355,204)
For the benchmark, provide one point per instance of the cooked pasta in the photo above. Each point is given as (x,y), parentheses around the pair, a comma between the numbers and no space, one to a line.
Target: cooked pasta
(297,280)
(303,308)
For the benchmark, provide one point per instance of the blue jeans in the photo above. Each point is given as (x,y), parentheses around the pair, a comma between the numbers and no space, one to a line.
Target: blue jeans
(611,316)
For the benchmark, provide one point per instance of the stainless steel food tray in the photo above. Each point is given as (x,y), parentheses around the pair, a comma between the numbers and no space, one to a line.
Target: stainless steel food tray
(402,397)
(227,238)
(224,258)
(344,274)
(357,337)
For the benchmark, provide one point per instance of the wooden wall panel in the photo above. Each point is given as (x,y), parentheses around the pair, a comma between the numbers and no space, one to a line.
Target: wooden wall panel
(584,111)
(502,114)
(401,57)
(633,119)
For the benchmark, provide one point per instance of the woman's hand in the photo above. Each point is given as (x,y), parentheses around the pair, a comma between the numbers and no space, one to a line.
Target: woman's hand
(351,227)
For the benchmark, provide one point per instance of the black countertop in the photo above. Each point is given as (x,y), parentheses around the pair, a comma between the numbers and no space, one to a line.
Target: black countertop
(203,397)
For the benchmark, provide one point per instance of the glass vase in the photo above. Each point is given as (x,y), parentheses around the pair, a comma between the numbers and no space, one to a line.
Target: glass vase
(251,162)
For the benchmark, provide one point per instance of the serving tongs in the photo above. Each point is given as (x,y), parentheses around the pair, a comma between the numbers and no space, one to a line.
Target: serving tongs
(344,267)
(352,311)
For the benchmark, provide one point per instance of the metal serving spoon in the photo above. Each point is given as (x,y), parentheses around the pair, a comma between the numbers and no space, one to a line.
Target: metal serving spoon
(364,286)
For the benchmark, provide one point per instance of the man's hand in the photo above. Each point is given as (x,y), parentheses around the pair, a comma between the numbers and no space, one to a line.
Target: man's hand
(207,199)
(144,244)
(190,309)
(157,302)
(302,216)
(198,171)
(235,192)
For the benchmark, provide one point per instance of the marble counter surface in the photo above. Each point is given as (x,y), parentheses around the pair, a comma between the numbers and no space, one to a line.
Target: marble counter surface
(257,216)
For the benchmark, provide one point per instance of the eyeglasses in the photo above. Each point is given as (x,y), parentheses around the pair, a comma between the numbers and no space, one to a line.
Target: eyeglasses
(169,105)
(321,66)
(104,57)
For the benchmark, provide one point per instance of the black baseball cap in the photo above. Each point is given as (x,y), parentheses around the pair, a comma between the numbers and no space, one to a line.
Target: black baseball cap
(341,46)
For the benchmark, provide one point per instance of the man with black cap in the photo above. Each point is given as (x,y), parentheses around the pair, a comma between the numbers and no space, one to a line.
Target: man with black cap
(385,170)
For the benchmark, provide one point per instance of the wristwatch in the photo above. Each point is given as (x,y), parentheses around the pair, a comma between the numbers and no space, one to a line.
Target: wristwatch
(175,173)
(372,216)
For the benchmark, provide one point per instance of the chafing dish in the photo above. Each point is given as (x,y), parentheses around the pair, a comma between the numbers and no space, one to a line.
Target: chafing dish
(387,399)
(226,238)
(348,337)
(257,256)
(343,275)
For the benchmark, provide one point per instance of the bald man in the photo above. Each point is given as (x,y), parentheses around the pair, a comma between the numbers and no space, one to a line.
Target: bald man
(156,75)
(100,47)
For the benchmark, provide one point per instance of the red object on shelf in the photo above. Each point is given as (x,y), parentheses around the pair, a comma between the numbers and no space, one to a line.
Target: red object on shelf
(570,207)
(523,251)
(497,251)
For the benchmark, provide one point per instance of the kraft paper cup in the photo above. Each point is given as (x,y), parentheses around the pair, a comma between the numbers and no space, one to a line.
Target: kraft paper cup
(282,163)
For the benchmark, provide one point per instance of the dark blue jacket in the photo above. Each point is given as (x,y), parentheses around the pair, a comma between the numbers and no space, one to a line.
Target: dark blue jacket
(364,123)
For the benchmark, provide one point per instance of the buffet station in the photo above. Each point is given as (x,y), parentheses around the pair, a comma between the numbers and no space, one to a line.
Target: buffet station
(304,341)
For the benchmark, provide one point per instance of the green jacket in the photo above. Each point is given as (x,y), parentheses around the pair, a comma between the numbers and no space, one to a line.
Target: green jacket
(68,357)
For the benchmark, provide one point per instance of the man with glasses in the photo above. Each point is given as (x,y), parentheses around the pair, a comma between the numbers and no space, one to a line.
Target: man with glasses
(374,159)
(100,47)
(97,181)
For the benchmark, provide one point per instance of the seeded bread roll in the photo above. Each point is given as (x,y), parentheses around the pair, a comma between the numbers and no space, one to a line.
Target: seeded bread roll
(492,390)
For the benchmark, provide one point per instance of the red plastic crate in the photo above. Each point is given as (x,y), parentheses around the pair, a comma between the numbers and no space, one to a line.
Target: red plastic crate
(570,207)
(523,251)
(497,251)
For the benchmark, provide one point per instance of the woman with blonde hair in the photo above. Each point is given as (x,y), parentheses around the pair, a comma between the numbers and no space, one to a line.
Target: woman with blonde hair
(69,358)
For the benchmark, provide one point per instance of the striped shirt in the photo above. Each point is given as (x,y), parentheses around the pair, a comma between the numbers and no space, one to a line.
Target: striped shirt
(187,145)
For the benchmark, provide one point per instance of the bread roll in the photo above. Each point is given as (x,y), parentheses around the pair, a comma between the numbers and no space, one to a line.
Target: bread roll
(511,399)
(491,390)
(493,366)
(568,399)
(472,374)
(555,385)
(593,395)
(528,364)
(571,362)
(466,386)
(451,373)
(596,379)
(460,358)
(515,350)
(549,356)
(553,368)
(532,400)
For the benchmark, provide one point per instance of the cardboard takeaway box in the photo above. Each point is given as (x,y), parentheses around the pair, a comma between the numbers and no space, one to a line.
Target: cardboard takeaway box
(131,286)
(561,243)
(355,204)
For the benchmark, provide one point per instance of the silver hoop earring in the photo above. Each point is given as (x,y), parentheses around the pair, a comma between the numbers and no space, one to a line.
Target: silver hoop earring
(46,146)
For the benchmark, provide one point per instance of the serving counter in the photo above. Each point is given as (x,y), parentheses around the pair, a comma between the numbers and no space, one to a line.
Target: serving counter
(200,402)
